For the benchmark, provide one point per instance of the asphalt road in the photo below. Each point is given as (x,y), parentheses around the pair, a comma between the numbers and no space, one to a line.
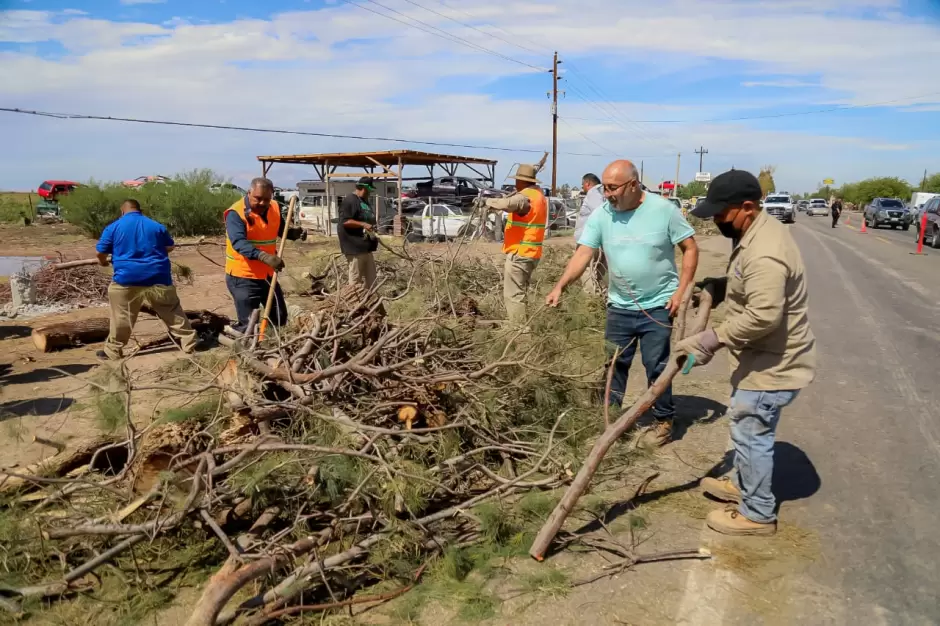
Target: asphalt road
(870,427)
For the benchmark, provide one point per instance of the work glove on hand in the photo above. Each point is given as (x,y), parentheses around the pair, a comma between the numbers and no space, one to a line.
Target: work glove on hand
(700,348)
(718,288)
(271,260)
(294,234)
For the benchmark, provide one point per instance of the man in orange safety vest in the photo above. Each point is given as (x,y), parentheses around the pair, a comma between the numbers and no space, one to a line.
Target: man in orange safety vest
(527,218)
(252,226)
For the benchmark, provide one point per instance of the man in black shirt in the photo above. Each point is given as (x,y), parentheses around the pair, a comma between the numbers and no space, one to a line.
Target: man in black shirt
(836,211)
(356,219)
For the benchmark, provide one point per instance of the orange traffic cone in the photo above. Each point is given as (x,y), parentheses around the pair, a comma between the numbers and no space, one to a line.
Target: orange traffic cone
(863,225)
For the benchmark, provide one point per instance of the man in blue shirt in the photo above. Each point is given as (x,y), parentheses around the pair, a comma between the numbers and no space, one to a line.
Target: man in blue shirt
(139,250)
(638,233)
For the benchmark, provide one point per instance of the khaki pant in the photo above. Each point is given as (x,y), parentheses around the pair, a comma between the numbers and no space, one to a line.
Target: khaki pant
(362,269)
(593,278)
(517,274)
(125,305)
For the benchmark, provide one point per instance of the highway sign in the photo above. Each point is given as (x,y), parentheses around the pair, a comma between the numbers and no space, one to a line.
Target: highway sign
(703,177)
(828,181)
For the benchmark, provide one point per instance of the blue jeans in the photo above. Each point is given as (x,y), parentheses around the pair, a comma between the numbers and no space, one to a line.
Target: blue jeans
(626,328)
(754,416)
(252,293)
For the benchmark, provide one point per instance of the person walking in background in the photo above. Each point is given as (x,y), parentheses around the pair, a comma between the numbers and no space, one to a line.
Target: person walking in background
(252,227)
(638,233)
(139,249)
(771,347)
(527,213)
(592,279)
(836,211)
(357,239)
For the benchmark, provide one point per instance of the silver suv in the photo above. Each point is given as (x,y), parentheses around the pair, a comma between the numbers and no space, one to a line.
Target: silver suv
(888,212)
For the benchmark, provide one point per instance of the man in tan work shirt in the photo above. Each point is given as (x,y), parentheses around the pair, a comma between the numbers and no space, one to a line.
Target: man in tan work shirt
(771,347)
(526,220)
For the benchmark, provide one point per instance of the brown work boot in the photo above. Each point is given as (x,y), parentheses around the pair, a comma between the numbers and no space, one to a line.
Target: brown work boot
(729,521)
(721,489)
(657,435)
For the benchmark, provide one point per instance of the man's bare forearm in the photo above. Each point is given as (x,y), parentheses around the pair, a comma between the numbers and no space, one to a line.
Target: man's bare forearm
(689,264)
(576,266)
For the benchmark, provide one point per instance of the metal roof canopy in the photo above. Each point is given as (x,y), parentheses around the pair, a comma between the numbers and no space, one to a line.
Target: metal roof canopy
(389,162)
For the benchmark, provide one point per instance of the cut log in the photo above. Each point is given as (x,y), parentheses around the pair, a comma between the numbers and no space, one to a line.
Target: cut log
(70,264)
(61,464)
(70,334)
(612,433)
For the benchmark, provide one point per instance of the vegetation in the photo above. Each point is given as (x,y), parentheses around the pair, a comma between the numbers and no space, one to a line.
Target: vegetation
(766,179)
(864,191)
(692,189)
(15,205)
(930,183)
(185,204)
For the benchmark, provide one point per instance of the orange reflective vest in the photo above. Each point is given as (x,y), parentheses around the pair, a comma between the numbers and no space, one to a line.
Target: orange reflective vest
(261,234)
(524,234)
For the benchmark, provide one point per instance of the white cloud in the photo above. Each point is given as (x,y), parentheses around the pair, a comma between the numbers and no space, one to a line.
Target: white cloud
(131,2)
(783,84)
(344,70)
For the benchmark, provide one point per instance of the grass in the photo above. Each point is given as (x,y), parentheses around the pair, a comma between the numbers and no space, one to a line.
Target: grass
(111,411)
(15,205)
(201,411)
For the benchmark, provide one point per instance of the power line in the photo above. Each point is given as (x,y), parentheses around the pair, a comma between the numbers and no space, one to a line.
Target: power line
(608,150)
(543,50)
(447,17)
(110,118)
(443,34)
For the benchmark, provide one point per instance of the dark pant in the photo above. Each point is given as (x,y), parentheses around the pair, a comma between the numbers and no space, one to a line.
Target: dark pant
(252,293)
(626,329)
(835,218)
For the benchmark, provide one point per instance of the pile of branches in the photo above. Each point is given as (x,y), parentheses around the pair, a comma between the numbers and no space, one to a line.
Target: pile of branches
(79,286)
(347,450)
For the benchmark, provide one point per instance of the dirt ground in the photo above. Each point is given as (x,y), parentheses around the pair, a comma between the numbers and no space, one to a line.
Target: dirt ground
(51,396)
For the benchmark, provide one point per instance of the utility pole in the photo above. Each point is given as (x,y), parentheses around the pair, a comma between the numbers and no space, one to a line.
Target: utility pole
(675,184)
(641,172)
(923,184)
(555,122)
(701,152)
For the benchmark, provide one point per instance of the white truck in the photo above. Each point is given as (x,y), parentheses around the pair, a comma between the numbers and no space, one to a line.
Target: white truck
(919,198)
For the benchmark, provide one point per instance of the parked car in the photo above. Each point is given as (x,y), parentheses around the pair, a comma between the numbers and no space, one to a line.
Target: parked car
(219,187)
(780,206)
(817,206)
(888,212)
(932,233)
(52,189)
(140,181)
(445,221)
(456,189)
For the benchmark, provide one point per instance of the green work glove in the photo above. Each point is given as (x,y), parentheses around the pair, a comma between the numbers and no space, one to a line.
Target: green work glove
(271,260)
(718,288)
(698,349)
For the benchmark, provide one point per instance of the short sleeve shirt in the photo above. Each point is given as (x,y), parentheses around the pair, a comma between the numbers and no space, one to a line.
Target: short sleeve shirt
(137,245)
(351,239)
(640,250)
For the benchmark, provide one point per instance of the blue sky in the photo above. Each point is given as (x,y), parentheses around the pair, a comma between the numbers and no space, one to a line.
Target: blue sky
(642,80)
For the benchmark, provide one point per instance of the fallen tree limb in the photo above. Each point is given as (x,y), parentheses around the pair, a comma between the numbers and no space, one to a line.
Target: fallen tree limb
(609,436)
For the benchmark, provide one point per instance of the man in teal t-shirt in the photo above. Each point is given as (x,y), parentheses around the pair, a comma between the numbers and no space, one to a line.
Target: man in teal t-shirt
(638,233)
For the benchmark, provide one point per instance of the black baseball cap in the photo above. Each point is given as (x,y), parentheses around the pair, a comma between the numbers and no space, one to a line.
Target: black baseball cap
(731,188)
(367,182)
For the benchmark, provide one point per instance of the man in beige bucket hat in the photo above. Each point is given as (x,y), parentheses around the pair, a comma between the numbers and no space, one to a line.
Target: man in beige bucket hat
(526,221)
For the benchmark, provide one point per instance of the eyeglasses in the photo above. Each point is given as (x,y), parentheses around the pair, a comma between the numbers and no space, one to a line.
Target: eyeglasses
(615,188)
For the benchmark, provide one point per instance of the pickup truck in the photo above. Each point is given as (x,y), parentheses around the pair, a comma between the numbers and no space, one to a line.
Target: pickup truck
(457,189)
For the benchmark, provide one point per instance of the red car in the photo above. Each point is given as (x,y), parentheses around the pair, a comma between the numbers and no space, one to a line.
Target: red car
(51,189)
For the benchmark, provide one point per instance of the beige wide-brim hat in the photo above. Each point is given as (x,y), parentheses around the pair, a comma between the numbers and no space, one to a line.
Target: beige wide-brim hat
(527,173)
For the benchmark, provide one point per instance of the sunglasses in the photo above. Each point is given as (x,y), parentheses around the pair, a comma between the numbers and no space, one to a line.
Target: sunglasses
(615,188)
